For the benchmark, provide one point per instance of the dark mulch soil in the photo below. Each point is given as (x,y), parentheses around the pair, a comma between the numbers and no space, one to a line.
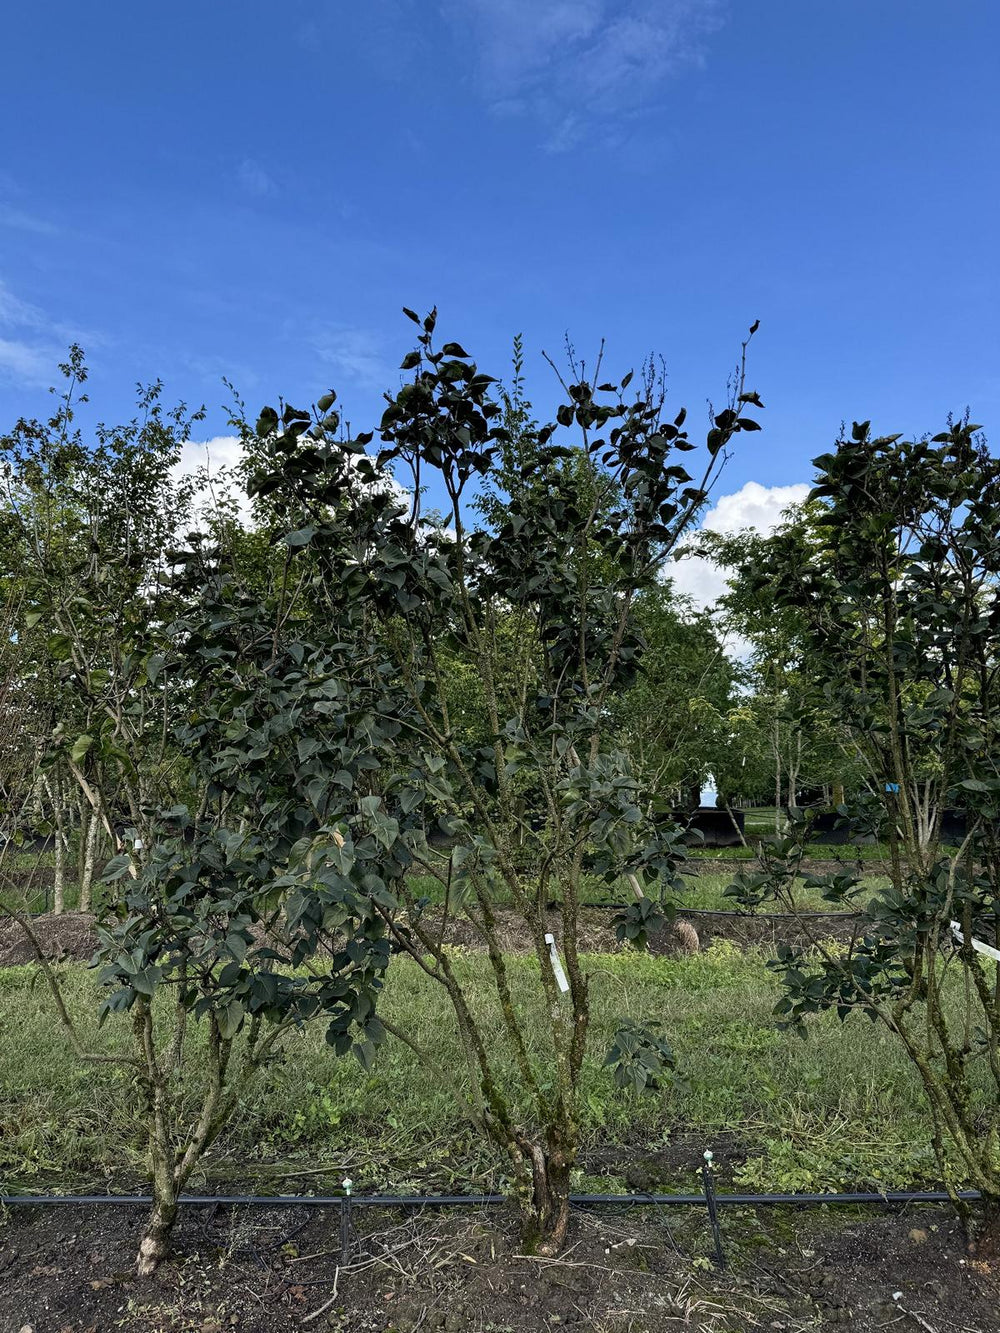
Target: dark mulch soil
(658,1170)
(68,1270)
(36,877)
(765,932)
(71,936)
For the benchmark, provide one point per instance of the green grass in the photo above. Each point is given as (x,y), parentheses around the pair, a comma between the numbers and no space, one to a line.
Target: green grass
(707,892)
(704,890)
(18,867)
(842,1108)
(39,898)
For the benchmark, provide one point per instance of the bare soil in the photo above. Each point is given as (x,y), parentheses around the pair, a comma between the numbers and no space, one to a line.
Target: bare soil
(69,1270)
(68,937)
(71,936)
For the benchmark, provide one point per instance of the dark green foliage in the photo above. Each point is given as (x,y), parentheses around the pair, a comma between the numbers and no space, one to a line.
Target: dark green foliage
(528,626)
(641,1058)
(894,578)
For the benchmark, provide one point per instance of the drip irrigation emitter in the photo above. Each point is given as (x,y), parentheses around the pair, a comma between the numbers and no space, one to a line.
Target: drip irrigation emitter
(345,1222)
(713,1212)
(348,1200)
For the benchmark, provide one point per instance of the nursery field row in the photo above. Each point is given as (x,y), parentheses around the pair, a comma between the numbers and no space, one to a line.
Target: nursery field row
(841,1109)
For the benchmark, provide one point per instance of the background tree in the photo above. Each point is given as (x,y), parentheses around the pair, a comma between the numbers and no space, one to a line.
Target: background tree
(675,719)
(90,523)
(788,720)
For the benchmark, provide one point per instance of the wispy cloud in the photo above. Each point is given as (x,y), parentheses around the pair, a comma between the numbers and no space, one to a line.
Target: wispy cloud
(12,212)
(357,354)
(26,362)
(15,313)
(254,180)
(576,66)
(22,221)
(28,354)
(31,343)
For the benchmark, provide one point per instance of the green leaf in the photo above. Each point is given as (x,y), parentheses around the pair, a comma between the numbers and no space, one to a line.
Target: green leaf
(229,1020)
(145,981)
(301,536)
(59,647)
(236,946)
(267,421)
(80,747)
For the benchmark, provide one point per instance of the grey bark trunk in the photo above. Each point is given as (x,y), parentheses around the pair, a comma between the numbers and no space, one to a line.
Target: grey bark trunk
(89,858)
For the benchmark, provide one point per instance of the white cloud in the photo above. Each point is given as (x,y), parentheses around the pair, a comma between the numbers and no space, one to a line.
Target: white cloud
(217,458)
(753,506)
(573,64)
(221,453)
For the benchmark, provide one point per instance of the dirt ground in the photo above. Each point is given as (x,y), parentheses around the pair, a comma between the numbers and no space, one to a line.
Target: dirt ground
(71,936)
(68,1270)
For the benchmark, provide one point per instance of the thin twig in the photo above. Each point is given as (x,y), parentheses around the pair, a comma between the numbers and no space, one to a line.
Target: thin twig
(307,1319)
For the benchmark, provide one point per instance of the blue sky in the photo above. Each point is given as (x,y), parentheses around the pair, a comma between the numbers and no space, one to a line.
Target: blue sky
(254,189)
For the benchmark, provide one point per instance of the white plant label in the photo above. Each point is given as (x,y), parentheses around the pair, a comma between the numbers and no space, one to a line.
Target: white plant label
(557,966)
(978,945)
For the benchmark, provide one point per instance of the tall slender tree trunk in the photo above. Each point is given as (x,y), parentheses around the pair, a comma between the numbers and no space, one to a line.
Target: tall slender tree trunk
(54,794)
(776,747)
(88,860)
(59,885)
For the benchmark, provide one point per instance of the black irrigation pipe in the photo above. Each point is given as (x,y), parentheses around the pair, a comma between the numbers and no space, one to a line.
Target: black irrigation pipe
(763,916)
(347,1201)
(485,1200)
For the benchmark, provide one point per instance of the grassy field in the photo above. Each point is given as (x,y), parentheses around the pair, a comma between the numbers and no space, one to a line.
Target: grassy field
(28,875)
(842,1108)
(705,890)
